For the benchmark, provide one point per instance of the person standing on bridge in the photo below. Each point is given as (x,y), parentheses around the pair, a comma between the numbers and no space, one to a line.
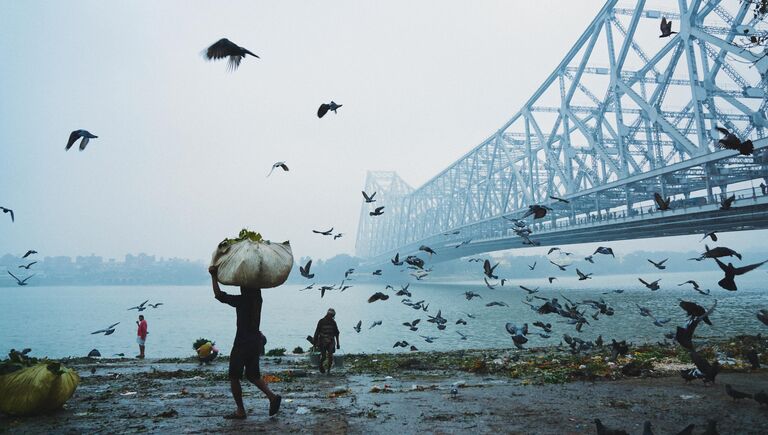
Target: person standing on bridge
(763,188)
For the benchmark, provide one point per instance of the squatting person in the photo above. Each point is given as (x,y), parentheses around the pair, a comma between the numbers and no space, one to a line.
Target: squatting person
(247,346)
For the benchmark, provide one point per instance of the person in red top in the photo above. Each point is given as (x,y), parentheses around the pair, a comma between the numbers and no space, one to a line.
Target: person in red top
(141,335)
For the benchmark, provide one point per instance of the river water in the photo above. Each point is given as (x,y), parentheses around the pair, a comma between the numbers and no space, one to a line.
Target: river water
(57,321)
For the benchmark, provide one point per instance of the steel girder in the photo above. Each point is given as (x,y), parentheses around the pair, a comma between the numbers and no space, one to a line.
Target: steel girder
(609,112)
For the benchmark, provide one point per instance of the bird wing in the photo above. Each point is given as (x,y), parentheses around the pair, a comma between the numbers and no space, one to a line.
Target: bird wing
(14,276)
(72,138)
(745,269)
(323,110)
(487,267)
(113,325)
(25,279)
(309,264)
(663,261)
(84,142)
(722,265)
(641,280)
(365,195)
(99,331)
(234,62)
(723,131)
(11,212)
(659,200)
(663,25)
(221,49)
(144,303)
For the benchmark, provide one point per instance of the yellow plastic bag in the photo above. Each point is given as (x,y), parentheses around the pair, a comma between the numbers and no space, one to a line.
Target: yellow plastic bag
(38,389)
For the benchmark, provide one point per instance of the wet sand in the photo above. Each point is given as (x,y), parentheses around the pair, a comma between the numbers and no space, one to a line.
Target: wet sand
(407,393)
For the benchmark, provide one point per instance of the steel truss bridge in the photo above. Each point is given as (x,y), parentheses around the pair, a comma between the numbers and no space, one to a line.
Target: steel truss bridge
(624,115)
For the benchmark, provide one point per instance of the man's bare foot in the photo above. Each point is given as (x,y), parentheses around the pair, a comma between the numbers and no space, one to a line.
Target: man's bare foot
(274,405)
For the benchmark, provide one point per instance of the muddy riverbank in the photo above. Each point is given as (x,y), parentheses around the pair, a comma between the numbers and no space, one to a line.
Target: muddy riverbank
(500,391)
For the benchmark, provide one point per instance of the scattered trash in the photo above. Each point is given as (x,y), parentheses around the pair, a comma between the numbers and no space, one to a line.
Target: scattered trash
(689,396)
(128,393)
(377,389)
(301,410)
(339,391)
(271,378)
(388,377)
(288,400)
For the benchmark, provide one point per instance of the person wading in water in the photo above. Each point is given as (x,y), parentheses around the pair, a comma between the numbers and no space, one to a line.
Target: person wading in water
(326,336)
(247,346)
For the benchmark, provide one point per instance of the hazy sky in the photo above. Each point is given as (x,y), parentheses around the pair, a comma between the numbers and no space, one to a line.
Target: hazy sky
(184,146)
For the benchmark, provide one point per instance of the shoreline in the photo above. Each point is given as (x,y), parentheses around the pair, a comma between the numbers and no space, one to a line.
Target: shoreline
(542,390)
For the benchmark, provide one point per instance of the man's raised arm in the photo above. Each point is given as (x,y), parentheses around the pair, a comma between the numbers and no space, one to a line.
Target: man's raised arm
(214,270)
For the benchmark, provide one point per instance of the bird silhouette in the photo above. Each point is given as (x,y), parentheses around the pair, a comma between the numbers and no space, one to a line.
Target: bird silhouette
(559,199)
(324,108)
(375,323)
(378,296)
(141,307)
(488,269)
(712,235)
(732,142)
(538,211)
(8,210)
(666,28)
(378,211)
(30,252)
(368,198)
(338,236)
(106,331)
(659,265)
(155,305)
(28,265)
(729,282)
(661,203)
(559,266)
(78,134)
(532,266)
(583,276)
(604,250)
(357,327)
(224,48)
(653,286)
(21,282)
(325,233)
(280,165)
(305,270)
(726,203)
(396,260)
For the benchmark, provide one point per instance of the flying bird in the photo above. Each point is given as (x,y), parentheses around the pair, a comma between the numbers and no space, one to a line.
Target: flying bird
(324,108)
(396,260)
(369,198)
(378,211)
(559,199)
(106,331)
(488,270)
(337,236)
(604,250)
(731,142)
(141,307)
(427,249)
(551,278)
(470,294)
(530,291)
(357,327)
(712,235)
(412,325)
(155,305)
(496,304)
(280,165)
(21,282)
(325,233)
(561,267)
(463,336)
(378,296)
(728,282)
(583,276)
(77,134)
(305,270)
(487,284)
(653,286)
(532,267)
(660,265)
(28,265)
(225,48)
(30,252)
(696,287)
(375,323)
(661,203)
(538,211)
(717,252)
(726,203)
(666,28)
(590,259)
(518,334)
(8,210)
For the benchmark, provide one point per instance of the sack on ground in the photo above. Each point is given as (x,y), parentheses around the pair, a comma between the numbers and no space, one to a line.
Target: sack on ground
(41,388)
(250,261)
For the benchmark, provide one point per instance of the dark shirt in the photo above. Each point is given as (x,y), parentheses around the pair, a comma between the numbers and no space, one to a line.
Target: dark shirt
(326,329)
(248,308)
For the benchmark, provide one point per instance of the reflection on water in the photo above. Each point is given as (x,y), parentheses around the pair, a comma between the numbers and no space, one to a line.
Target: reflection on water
(57,321)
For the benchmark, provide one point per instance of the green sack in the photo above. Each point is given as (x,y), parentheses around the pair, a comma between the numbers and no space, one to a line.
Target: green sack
(41,388)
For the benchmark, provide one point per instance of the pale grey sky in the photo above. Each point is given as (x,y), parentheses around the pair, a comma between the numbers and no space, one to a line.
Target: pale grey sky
(184,146)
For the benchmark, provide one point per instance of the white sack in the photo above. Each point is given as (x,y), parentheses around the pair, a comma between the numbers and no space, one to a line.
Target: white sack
(253,264)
